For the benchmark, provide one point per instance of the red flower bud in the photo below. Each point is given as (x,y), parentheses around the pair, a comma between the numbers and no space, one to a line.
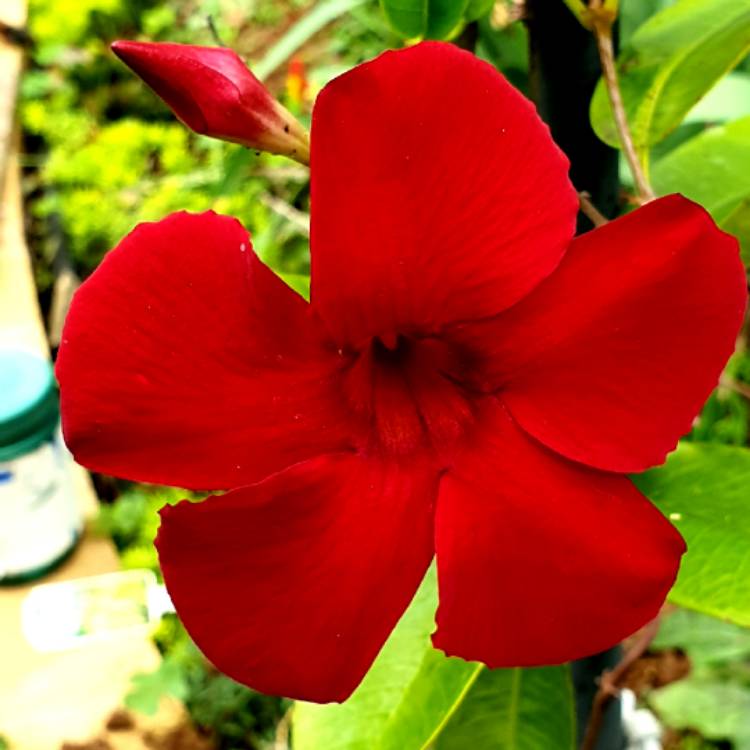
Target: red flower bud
(212,91)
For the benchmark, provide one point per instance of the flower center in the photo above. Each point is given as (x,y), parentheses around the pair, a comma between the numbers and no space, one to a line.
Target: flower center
(406,391)
(391,349)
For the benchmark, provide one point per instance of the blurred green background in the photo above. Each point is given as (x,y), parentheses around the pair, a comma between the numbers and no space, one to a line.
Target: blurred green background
(101,153)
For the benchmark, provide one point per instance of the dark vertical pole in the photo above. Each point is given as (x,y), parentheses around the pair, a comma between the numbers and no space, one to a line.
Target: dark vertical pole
(564,69)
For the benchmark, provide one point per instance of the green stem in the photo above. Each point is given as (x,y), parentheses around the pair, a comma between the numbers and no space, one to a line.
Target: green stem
(602,27)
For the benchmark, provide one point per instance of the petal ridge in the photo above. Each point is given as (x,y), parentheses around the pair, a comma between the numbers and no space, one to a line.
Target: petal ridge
(434,228)
(292,585)
(186,361)
(611,357)
(541,560)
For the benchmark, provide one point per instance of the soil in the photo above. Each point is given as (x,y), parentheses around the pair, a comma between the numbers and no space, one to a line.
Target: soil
(124,730)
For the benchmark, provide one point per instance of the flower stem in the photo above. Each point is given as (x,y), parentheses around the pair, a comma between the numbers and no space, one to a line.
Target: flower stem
(564,71)
(602,28)
(590,211)
(735,385)
(611,681)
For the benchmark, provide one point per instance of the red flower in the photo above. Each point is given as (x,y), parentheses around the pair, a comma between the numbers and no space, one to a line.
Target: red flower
(467,381)
(211,90)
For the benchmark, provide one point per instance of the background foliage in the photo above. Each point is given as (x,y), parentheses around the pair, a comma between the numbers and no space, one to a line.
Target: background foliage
(102,154)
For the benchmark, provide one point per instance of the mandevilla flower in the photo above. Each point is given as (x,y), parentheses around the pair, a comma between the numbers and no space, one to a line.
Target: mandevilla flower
(211,90)
(467,382)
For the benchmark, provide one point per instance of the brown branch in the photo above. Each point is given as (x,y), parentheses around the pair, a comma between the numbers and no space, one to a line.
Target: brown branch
(735,385)
(601,23)
(610,682)
(590,211)
(281,741)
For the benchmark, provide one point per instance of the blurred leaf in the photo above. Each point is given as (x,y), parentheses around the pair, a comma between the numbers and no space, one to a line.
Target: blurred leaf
(737,222)
(728,100)
(703,489)
(713,168)
(476,9)
(321,15)
(508,50)
(633,13)
(706,639)
(514,709)
(718,710)
(299,282)
(148,689)
(156,21)
(670,63)
(428,19)
(123,519)
(414,697)
(579,9)
(725,417)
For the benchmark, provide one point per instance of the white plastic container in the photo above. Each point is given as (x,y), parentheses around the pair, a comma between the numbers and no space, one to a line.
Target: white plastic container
(40,521)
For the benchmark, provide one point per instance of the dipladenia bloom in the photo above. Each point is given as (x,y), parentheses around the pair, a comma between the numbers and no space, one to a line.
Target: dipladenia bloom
(467,382)
(212,91)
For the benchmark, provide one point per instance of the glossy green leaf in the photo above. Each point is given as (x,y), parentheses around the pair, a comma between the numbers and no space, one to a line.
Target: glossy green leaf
(415,698)
(670,62)
(728,100)
(705,491)
(514,709)
(434,695)
(428,19)
(713,168)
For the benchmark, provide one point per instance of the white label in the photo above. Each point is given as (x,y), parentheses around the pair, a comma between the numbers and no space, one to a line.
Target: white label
(39,517)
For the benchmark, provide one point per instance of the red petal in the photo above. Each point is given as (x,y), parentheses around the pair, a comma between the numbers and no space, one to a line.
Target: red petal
(611,358)
(541,560)
(186,361)
(437,194)
(291,586)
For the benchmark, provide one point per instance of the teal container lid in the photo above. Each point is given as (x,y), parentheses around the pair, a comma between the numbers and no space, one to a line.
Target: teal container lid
(29,409)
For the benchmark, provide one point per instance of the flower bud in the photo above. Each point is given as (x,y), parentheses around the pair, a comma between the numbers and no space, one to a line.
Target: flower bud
(212,91)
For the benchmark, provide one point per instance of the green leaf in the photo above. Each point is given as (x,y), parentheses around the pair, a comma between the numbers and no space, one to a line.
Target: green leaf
(580,10)
(717,709)
(737,222)
(707,640)
(514,709)
(703,490)
(728,100)
(414,698)
(148,688)
(476,9)
(427,19)
(670,63)
(299,282)
(713,169)
(435,693)
(358,723)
